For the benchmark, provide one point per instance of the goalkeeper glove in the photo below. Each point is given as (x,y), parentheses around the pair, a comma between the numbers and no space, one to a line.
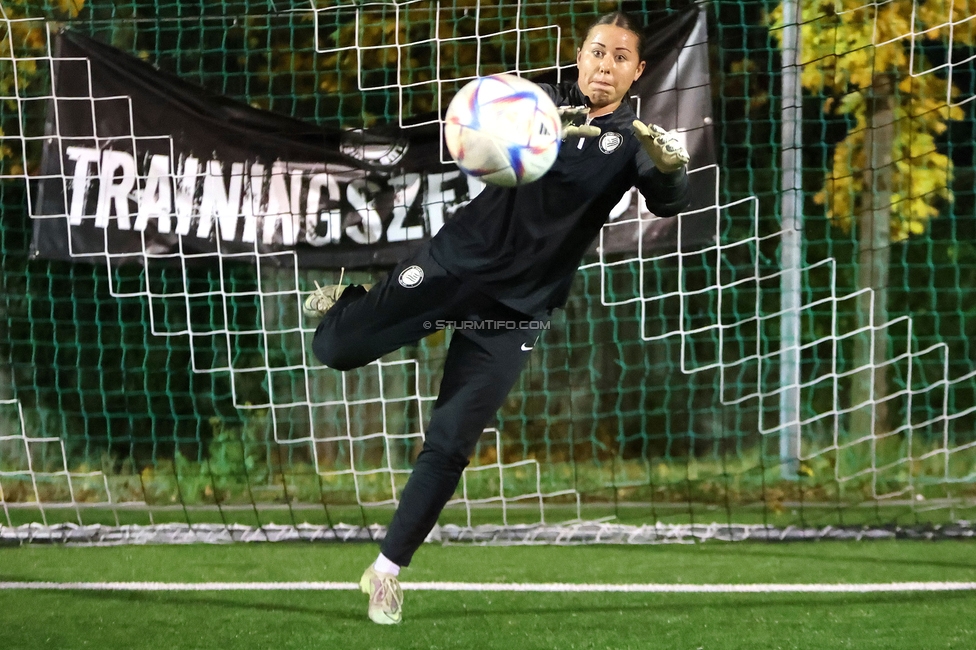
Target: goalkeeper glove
(574,123)
(662,146)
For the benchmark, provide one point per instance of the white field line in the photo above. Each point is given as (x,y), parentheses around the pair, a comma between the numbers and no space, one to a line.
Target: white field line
(557,587)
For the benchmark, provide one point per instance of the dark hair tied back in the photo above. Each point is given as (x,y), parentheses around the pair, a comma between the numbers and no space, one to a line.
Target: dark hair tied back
(624,21)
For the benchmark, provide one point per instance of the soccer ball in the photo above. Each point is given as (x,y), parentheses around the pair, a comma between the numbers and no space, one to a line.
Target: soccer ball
(503,130)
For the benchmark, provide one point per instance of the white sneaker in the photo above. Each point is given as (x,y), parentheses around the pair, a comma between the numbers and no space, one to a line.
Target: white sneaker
(323,298)
(385,596)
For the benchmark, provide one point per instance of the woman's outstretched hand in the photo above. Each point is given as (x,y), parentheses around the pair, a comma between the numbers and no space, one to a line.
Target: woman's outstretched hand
(573,122)
(662,146)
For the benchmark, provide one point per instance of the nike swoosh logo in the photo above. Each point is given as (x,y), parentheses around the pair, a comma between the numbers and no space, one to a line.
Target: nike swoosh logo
(526,348)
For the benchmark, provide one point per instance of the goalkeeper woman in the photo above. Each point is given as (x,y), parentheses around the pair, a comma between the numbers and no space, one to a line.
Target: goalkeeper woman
(505,260)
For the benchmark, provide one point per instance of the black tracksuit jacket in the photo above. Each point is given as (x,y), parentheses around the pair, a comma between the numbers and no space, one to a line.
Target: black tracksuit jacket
(522,245)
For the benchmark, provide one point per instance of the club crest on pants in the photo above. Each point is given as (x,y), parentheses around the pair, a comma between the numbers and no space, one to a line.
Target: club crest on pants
(411,276)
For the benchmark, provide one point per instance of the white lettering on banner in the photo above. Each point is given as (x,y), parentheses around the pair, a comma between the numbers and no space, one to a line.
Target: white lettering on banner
(370,226)
(241,201)
(280,206)
(110,192)
(442,201)
(186,189)
(332,218)
(156,200)
(220,202)
(407,187)
(252,203)
(84,158)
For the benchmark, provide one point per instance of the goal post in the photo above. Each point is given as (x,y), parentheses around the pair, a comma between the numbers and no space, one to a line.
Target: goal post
(156,376)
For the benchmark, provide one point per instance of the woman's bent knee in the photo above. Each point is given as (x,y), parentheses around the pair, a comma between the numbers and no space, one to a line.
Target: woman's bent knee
(336,351)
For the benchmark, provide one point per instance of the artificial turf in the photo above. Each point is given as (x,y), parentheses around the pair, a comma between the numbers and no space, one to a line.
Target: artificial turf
(326,619)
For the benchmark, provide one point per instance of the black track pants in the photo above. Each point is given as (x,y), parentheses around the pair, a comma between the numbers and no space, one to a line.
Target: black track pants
(483,363)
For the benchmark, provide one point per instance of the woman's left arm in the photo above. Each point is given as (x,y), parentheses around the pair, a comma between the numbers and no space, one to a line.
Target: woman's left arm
(666,193)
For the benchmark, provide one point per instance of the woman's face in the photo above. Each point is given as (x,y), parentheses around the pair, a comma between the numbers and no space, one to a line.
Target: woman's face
(608,64)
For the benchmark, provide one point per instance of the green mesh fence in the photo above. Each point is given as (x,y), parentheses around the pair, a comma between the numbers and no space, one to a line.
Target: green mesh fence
(663,414)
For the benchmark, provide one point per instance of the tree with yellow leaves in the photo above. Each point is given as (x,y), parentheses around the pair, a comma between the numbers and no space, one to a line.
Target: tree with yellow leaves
(888,178)
(22,39)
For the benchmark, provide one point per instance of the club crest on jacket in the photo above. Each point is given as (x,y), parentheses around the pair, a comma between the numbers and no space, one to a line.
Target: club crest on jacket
(411,276)
(609,141)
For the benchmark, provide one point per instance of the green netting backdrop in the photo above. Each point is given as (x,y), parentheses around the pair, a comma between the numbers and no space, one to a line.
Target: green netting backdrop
(604,412)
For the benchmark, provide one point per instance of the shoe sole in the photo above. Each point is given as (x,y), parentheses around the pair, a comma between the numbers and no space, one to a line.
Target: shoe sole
(312,312)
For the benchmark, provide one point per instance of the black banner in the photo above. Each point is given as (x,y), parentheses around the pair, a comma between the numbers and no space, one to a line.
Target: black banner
(139,163)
